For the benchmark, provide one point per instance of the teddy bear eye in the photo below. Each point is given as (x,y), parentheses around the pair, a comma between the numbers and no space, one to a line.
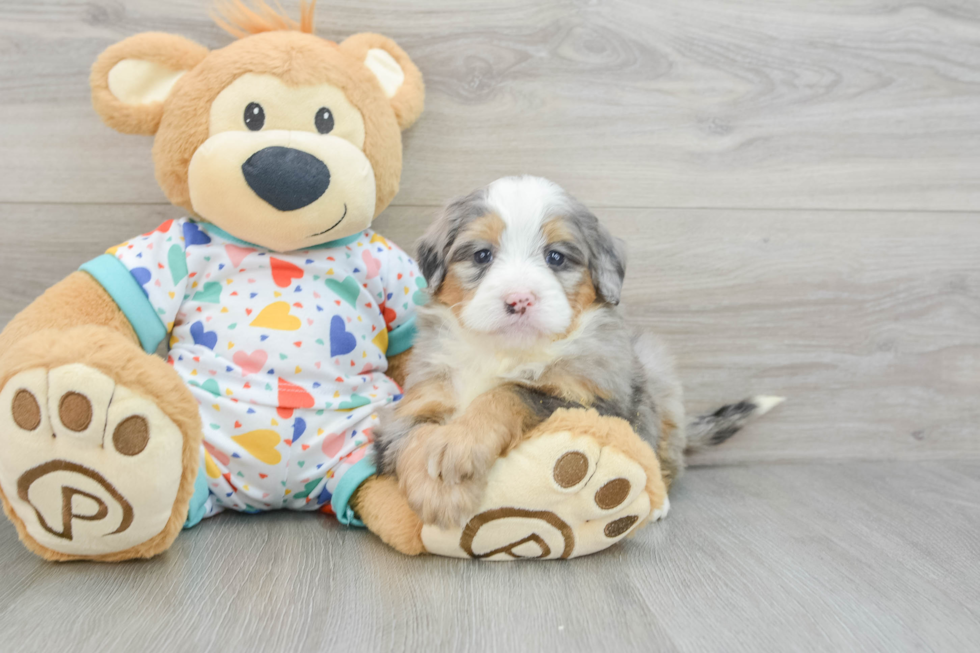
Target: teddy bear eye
(324,120)
(254,116)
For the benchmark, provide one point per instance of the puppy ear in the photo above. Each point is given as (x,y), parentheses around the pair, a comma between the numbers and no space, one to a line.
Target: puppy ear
(607,262)
(132,78)
(434,247)
(431,256)
(400,79)
(609,266)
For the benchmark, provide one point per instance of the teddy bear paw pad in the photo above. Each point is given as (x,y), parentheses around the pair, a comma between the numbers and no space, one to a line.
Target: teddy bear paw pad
(556,496)
(89,466)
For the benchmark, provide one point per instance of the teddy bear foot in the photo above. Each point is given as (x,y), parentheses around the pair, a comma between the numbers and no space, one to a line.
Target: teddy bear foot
(89,469)
(579,486)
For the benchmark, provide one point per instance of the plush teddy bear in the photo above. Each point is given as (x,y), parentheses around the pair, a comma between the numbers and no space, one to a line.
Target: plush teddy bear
(285,317)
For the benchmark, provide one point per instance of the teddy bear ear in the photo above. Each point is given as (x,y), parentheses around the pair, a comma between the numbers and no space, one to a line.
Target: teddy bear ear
(132,78)
(400,79)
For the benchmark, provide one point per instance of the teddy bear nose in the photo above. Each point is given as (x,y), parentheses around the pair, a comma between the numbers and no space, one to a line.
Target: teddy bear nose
(286,178)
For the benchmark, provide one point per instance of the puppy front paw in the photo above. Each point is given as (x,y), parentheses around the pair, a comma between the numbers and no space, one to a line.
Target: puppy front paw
(441,504)
(455,457)
(443,475)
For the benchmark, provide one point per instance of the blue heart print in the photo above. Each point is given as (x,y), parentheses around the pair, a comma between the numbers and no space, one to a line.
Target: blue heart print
(299,428)
(201,337)
(341,341)
(194,236)
(142,276)
(325,496)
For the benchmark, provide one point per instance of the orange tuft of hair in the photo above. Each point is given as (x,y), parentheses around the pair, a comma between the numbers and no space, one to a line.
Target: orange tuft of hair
(241,20)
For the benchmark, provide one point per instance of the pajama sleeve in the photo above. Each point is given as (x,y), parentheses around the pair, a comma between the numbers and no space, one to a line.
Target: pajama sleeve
(147,278)
(404,288)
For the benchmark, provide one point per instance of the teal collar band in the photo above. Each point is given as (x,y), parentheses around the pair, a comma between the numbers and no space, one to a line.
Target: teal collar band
(218,231)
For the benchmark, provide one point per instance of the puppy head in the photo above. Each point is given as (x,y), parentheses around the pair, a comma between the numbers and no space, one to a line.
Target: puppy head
(521,259)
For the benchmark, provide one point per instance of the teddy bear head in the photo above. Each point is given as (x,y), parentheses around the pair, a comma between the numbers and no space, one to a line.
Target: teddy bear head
(282,138)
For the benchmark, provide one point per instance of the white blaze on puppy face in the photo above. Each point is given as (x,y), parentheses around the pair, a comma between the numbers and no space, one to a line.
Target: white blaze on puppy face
(519,266)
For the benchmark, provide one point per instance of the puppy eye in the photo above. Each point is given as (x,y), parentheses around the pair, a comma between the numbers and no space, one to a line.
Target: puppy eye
(324,120)
(483,257)
(555,259)
(254,116)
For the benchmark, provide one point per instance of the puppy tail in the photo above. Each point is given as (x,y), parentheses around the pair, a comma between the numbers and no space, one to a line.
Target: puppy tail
(664,387)
(714,428)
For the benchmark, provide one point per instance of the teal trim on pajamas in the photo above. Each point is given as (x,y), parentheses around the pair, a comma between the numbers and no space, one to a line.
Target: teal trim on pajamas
(359,472)
(199,500)
(402,338)
(130,297)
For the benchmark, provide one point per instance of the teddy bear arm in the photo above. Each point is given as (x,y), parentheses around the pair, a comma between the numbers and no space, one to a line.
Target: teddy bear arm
(384,509)
(77,300)
(82,405)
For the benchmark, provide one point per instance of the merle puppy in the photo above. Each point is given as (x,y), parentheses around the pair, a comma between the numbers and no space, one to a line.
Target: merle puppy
(523,319)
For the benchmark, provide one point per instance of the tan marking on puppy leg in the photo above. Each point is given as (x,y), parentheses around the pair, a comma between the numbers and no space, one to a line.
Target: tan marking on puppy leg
(443,468)
(430,498)
(472,441)
(499,414)
(431,401)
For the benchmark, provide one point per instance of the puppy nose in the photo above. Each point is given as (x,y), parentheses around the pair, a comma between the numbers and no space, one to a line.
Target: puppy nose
(286,178)
(519,302)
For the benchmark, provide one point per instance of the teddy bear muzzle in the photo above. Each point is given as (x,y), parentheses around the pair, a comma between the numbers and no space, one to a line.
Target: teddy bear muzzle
(282,189)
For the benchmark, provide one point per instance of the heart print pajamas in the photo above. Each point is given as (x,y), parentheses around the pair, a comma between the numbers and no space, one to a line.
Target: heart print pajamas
(285,353)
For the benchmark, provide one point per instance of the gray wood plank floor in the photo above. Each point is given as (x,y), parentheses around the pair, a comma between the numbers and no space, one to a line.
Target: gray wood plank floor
(851,557)
(799,183)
